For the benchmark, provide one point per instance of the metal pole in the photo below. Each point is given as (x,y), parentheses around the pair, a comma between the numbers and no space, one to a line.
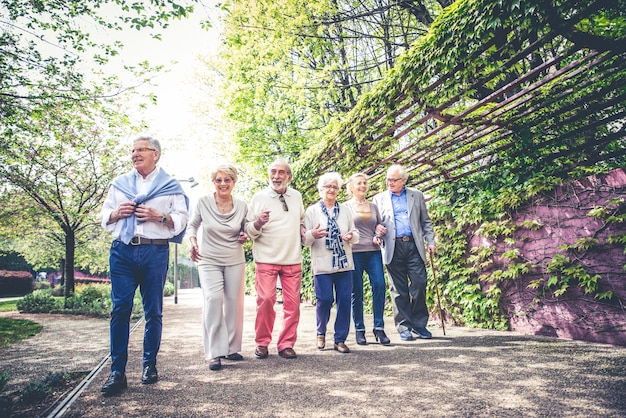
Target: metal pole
(175,273)
(432,265)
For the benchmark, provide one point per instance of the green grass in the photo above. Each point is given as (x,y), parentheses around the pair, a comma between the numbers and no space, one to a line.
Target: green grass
(8,305)
(13,330)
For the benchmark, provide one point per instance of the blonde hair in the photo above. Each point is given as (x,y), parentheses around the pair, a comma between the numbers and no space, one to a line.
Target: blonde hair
(351,180)
(228,169)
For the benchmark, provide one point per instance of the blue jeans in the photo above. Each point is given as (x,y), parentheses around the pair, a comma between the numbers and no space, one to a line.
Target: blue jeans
(372,263)
(131,266)
(342,284)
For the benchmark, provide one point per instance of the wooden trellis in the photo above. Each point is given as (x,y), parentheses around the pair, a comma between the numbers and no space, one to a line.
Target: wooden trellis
(563,90)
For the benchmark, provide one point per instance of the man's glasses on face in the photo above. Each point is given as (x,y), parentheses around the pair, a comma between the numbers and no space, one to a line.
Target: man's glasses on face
(392,181)
(227,180)
(282,200)
(141,150)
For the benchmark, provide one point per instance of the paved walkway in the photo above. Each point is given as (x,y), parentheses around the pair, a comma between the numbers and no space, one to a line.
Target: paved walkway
(466,373)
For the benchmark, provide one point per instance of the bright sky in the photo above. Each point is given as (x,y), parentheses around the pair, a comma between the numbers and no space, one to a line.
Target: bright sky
(188,141)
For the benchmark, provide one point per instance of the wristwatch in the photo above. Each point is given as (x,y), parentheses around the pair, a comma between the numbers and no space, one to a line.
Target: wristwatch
(163,218)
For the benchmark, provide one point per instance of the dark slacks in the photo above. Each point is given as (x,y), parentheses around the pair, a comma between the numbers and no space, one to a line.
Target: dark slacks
(341,283)
(408,287)
(131,266)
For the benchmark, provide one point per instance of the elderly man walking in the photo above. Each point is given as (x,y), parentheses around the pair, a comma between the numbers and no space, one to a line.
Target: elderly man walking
(274,218)
(144,210)
(408,225)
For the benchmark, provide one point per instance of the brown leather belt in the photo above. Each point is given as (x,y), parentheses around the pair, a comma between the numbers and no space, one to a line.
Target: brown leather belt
(147,241)
(404,239)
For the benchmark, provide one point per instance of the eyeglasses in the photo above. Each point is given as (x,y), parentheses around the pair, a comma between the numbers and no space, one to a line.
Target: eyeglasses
(393,180)
(227,180)
(330,186)
(282,200)
(134,150)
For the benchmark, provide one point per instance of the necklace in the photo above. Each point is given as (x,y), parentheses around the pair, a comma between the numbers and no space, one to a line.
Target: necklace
(362,202)
(225,206)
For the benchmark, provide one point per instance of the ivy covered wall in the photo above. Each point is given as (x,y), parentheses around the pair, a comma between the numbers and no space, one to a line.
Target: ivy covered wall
(560,264)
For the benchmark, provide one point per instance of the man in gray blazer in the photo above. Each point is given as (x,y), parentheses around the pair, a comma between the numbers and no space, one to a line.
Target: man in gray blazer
(409,236)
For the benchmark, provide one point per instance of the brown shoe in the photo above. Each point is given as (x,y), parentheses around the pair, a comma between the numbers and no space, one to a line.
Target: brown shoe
(321,342)
(342,348)
(287,353)
(261,351)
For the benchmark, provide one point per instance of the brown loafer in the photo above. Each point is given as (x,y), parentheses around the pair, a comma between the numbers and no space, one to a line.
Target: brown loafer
(287,353)
(321,342)
(261,351)
(342,348)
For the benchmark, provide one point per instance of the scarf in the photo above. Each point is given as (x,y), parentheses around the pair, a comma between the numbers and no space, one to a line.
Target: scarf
(333,239)
(163,185)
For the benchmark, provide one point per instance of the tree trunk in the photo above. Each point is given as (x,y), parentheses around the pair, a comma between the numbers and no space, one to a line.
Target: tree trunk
(70,249)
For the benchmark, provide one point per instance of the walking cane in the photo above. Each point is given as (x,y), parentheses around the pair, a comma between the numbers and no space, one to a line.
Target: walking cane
(432,265)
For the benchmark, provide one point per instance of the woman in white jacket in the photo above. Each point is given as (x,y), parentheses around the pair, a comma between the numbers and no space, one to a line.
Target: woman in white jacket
(330,232)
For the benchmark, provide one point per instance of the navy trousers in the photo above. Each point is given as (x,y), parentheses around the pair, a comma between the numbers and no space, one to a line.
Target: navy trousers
(132,266)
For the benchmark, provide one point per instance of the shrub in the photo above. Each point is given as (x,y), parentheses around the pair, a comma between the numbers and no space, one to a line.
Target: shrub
(168,290)
(91,300)
(40,301)
(42,285)
(6,401)
(16,283)
(38,391)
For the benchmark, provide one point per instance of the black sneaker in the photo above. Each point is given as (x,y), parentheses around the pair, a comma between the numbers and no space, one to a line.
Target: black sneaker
(422,332)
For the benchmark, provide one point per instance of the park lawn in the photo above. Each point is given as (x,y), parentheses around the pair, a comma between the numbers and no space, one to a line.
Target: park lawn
(8,306)
(13,330)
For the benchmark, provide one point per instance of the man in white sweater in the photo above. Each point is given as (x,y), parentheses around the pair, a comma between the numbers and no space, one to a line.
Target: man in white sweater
(274,218)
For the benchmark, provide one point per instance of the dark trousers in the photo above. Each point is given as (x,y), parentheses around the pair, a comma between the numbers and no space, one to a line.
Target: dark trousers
(131,266)
(408,287)
(324,284)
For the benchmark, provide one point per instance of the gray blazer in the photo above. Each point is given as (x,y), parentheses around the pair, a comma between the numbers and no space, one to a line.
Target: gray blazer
(421,225)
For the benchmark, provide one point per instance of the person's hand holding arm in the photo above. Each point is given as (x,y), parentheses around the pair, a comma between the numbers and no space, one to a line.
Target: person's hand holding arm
(195,251)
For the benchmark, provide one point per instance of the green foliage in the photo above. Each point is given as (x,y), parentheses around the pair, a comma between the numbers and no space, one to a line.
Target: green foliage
(293,68)
(60,128)
(563,272)
(35,392)
(168,290)
(6,401)
(40,301)
(92,300)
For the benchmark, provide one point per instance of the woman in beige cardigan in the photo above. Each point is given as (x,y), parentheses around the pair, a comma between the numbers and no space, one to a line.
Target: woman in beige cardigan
(221,266)
(330,232)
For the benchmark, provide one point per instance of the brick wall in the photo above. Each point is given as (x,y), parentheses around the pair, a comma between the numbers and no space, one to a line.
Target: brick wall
(562,219)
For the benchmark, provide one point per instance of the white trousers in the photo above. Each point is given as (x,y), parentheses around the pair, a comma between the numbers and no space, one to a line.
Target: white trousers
(222,310)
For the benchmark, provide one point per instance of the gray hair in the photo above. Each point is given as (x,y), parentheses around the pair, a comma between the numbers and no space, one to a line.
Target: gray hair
(326,178)
(401,170)
(282,162)
(153,143)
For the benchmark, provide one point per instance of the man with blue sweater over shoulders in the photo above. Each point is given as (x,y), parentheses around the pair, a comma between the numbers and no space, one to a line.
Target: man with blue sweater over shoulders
(145,210)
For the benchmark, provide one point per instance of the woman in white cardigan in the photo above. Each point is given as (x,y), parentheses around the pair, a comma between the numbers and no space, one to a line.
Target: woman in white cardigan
(330,232)
(221,266)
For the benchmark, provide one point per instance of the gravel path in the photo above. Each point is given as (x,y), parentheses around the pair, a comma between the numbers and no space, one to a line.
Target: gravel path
(468,372)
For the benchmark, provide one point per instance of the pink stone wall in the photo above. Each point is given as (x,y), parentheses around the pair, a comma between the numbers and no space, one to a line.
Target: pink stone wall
(563,218)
